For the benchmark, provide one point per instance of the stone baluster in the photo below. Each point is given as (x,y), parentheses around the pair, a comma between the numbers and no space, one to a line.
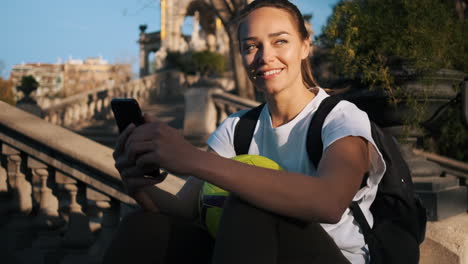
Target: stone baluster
(109,215)
(20,187)
(3,179)
(110,96)
(48,215)
(83,110)
(221,112)
(231,109)
(67,120)
(76,113)
(92,105)
(98,104)
(78,235)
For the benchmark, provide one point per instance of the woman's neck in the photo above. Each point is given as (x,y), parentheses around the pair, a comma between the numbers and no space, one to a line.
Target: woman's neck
(286,106)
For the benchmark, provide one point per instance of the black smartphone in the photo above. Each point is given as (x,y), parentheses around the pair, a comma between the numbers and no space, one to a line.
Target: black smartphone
(127,111)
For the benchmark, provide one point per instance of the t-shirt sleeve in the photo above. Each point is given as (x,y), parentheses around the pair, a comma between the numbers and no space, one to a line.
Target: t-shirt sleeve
(222,139)
(348,120)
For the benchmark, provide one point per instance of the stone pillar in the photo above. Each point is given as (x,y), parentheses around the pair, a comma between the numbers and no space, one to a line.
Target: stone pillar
(21,188)
(200,114)
(143,53)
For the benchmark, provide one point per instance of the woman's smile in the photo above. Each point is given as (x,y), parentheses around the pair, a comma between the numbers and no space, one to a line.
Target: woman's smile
(269,74)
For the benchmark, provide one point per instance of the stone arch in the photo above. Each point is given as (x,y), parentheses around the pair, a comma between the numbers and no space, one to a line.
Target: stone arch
(170,37)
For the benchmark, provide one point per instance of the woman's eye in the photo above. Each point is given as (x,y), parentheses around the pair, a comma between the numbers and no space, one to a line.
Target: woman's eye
(281,41)
(249,47)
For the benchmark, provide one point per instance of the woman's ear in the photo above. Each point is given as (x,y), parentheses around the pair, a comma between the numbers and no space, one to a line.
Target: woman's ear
(306,48)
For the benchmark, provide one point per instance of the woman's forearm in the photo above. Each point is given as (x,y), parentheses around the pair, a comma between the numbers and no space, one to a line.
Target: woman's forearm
(171,197)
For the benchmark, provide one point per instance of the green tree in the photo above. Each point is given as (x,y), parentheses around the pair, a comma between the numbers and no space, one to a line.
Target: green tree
(28,85)
(370,38)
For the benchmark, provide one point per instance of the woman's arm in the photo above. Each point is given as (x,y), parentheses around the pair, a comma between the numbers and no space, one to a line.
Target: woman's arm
(322,198)
(184,203)
(156,195)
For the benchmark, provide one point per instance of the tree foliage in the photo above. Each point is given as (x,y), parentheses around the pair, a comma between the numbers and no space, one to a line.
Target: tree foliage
(6,91)
(369,38)
(204,62)
(28,85)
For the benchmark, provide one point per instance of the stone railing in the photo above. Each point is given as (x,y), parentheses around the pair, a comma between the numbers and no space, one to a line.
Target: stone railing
(96,103)
(227,104)
(57,190)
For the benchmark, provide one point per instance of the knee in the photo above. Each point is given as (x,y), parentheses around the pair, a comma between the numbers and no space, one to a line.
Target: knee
(240,209)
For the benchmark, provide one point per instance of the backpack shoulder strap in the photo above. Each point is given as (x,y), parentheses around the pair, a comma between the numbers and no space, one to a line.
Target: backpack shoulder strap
(244,130)
(314,133)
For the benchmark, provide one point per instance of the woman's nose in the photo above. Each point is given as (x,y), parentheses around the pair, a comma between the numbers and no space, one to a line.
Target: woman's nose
(266,54)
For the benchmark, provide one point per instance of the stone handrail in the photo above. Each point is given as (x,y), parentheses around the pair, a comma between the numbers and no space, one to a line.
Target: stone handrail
(227,104)
(56,177)
(458,168)
(96,103)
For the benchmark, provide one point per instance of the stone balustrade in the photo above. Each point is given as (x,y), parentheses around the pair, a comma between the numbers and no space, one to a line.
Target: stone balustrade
(60,195)
(96,103)
(227,104)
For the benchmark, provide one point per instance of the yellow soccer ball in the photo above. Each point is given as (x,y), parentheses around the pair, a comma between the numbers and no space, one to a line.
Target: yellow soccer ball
(212,197)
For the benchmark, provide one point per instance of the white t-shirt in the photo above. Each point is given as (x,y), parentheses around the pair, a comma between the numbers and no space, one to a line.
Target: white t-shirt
(286,145)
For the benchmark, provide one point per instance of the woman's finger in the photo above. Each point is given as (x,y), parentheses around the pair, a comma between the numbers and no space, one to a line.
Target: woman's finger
(122,163)
(119,146)
(149,118)
(142,133)
(147,161)
(134,184)
(137,149)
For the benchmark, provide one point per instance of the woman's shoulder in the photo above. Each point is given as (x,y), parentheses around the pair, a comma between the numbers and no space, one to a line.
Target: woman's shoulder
(232,119)
(347,111)
(222,139)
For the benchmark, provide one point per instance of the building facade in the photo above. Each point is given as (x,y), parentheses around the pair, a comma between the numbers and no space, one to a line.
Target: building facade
(72,77)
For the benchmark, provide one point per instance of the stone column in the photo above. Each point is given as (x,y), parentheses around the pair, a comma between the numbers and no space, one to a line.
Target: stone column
(143,53)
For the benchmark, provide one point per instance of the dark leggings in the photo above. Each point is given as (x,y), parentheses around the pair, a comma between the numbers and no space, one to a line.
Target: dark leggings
(246,235)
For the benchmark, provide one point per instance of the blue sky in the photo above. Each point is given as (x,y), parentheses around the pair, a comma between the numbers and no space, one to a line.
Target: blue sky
(45,30)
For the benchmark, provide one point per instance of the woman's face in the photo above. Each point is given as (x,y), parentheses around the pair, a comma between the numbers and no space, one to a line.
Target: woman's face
(272,50)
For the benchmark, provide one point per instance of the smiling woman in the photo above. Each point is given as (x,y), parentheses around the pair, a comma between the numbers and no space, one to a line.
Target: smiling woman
(296,215)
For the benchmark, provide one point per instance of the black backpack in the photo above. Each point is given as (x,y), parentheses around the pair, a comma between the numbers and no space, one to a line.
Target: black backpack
(399,217)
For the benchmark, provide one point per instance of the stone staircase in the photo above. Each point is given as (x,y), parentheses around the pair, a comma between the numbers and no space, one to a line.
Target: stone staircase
(105,132)
(78,198)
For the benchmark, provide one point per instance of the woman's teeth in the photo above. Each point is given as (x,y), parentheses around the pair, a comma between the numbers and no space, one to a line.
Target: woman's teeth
(267,73)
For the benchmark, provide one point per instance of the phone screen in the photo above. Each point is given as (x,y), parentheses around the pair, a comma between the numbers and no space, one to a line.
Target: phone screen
(126,111)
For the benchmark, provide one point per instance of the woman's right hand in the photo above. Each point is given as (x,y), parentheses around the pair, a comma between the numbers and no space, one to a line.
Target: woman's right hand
(134,178)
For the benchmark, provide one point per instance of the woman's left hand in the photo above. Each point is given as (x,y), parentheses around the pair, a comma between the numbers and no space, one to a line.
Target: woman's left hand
(156,144)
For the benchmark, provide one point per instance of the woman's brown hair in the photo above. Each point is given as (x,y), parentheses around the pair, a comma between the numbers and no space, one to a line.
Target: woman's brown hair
(306,68)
